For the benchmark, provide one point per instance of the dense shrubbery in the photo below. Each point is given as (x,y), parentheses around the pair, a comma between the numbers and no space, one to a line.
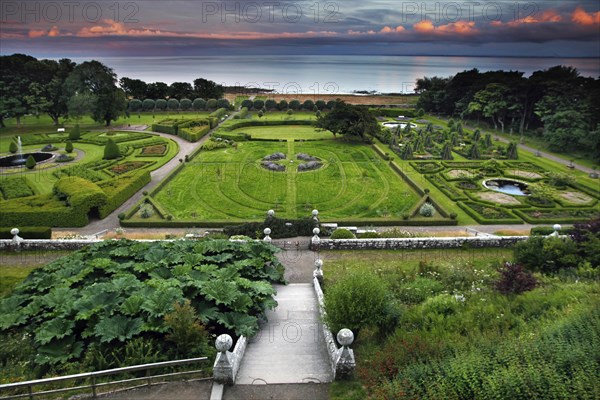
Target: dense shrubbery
(342,234)
(514,279)
(279,228)
(13,188)
(76,311)
(355,302)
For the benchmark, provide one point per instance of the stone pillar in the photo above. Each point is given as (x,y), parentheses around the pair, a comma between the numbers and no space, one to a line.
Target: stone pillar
(16,238)
(267,238)
(223,368)
(316,240)
(556,228)
(318,272)
(345,363)
(315,217)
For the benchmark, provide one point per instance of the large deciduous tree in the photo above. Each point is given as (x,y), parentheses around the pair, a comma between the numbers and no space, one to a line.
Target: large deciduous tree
(208,89)
(346,119)
(98,80)
(134,88)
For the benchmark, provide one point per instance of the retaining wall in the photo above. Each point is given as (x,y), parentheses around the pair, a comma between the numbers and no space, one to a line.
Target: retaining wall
(418,243)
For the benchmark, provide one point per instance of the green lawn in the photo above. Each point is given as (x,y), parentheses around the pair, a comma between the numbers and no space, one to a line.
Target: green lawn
(286,132)
(230,184)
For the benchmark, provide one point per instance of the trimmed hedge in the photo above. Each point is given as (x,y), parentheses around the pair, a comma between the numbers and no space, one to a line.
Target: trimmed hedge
(28,232)
(236,137)
(547,230)
(219,113)
(485,221)
(194,134)
(393,112)
(379,151)
(393,222)
(558,220)
(408,180)
(42,210)
(244,124)
(279,229)
(168,129)
(79,193)
(242,114)
(120,189)
(13,188)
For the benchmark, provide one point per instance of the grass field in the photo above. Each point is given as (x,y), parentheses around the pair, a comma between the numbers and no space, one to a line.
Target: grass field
(285,132)
(231,184)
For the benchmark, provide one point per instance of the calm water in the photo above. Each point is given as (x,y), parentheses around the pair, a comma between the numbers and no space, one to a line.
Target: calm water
(326,74)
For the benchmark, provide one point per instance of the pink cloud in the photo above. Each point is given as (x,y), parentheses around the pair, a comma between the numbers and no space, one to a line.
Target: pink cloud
(459,27)
(54,31)
(387,29)
(581,17)
(36,33)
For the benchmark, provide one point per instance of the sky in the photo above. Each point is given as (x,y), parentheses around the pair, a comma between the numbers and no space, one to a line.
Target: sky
(55,29)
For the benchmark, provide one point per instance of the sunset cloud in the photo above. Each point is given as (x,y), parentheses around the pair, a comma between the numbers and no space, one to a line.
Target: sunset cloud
(36,33)
(581,17)
(459,27)
(387,29)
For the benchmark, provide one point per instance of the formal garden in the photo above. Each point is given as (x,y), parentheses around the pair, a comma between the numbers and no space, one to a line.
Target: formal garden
(112,165)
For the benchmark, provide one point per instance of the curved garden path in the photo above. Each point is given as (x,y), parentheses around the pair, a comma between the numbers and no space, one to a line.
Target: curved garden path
(112,221)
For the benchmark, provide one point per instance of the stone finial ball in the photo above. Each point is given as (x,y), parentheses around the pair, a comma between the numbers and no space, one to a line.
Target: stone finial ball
(318,263)
(315,213)
(223,342)
(557,227)
(267,231)
(14,231)
(270,213)
(345,337)
(316,231)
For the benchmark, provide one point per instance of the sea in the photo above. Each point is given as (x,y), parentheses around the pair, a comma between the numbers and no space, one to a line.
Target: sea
(339,74)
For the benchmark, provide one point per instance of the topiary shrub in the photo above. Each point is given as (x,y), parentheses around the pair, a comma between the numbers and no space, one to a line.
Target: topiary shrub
(69,147)
(342,234)
(121,216)
(75,133)
(30,163)
(514,279)
(111,150)
(427,210)
(356,301)
(13,147)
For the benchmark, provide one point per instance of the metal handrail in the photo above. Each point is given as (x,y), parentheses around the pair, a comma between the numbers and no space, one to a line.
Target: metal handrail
(92,375)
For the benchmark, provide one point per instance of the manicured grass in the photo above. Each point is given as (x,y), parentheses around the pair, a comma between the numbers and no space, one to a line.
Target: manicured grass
(282,116)
(286,132)
(230,184)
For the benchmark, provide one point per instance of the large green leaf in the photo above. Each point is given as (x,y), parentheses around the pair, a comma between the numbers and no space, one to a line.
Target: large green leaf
(242,324)
(221,292)
(57,351)
(161,302)
(56,328)
(118,327)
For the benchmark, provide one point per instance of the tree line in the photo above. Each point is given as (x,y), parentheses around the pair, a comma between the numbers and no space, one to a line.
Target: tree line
(556,104)
(64,89)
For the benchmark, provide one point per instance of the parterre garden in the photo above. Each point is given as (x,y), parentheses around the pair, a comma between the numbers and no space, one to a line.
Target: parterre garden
(74,185)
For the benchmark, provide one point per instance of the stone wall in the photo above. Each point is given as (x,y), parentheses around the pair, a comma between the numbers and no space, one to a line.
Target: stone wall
(417,243)
(332,348)
(43,244)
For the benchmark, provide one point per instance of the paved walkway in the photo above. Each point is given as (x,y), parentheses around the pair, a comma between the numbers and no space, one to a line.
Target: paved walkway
(112,220)
(290,347)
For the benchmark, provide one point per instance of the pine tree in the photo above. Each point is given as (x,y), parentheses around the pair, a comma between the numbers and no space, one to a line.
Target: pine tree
(447,152)
(407,152)
(474,152)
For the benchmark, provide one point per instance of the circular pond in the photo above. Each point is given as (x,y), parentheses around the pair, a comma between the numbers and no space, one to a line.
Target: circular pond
(394,125)
(507,186)
(20,159)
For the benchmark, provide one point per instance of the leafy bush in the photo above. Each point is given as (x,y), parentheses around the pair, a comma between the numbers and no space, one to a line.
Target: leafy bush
(427,210)
(186,331)
(173,104)
(111,150)
(13,147)
(547,254)
(146,210)
(514,279)
(148,105)
(419,290)
(114,292)
(69,147)
(185,104)
(357,301)
(199,104)
(161,104)
(211,104)
(342,234)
